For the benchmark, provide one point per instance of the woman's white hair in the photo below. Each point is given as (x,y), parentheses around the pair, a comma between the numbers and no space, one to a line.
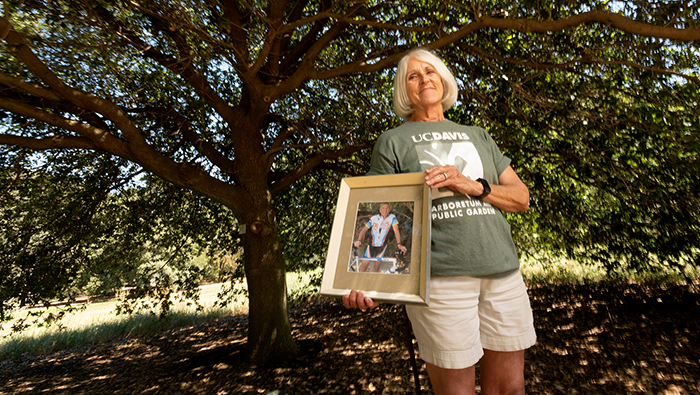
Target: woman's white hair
(402,104)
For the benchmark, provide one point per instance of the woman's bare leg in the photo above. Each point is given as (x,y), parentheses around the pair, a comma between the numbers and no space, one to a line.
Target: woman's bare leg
(502,373)
(452,381)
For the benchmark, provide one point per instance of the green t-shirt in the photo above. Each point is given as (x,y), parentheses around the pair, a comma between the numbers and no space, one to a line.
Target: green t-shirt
(469,237)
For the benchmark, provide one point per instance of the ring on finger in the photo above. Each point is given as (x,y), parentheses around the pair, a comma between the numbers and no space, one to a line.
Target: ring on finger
(445,174)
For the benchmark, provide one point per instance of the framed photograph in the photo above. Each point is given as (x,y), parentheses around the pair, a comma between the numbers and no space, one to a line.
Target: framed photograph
(380,239)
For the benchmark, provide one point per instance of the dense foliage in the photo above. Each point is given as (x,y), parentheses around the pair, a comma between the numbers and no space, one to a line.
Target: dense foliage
(610,151)
(68,234)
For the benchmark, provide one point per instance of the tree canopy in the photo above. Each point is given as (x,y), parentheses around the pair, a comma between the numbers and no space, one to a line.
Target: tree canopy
(260,106)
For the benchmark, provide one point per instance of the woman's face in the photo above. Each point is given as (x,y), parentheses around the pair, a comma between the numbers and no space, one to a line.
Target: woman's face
(423,85)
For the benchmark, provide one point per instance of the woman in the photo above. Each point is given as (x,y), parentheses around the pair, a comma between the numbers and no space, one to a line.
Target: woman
(479,309)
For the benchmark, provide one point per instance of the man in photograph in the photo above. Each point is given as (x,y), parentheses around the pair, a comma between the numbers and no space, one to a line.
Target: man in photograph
(380,225)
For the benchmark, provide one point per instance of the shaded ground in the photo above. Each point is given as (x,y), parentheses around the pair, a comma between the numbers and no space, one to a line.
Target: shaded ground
(592,339)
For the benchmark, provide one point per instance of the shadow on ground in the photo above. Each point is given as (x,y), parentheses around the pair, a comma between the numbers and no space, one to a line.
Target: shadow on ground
(592,339)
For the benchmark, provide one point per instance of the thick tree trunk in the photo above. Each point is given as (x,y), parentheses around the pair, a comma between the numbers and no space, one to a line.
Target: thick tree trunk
(269,332)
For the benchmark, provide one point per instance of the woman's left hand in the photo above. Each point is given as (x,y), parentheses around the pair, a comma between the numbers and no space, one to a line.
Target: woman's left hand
(448,176)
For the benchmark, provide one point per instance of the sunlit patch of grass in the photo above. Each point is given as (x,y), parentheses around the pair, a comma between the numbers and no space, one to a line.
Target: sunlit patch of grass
(303,286)
(545,270)
(98,323)
(101,329)
(541,269)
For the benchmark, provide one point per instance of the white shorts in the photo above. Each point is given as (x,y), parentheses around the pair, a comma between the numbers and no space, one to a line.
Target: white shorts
(467,315)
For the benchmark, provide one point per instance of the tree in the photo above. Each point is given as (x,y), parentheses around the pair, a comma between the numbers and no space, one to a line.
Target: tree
(238,101)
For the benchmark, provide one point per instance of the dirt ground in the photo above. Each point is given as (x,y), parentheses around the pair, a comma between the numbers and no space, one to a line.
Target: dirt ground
(592,339)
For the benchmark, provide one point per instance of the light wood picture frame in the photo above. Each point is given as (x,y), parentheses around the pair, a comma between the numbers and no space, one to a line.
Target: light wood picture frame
(396,278)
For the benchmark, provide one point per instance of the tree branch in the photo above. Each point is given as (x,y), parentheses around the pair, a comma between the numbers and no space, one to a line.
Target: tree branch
(658,70)
(338,169)
(548,66)
(276,14)
(47,143)
(306,68)
(79,99)
(101,139)
(596,16)
(524,25)
(350,20)
(31,89)
(300,48)
(201,145)
(178,66)
(238,35)
(313,163)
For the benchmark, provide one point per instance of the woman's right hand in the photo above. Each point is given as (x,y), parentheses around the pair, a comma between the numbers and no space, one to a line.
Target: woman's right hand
(357,300)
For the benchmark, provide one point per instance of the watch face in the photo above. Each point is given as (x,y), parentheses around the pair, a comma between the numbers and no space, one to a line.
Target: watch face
(487,188)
